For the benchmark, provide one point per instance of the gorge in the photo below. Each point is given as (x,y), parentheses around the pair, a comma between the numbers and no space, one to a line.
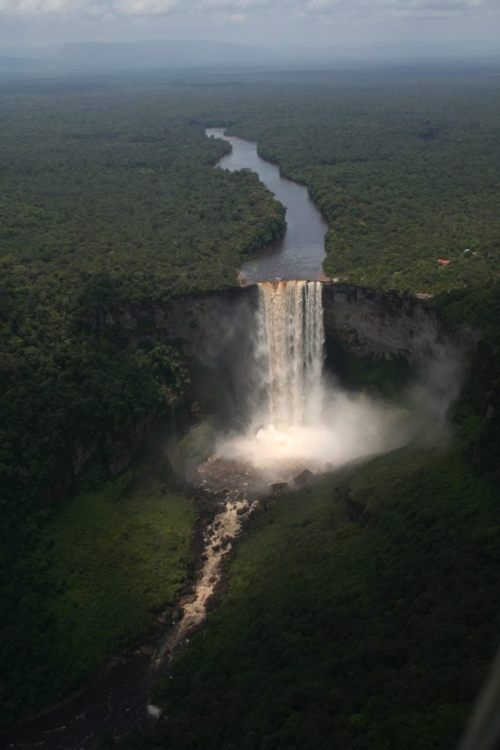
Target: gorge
(260,351)
(190,558)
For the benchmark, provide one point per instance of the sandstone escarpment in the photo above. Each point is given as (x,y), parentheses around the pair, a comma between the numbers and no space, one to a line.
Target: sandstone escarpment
(380,324)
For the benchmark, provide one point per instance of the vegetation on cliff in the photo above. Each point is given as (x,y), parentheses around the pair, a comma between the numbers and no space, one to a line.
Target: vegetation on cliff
(89,585)
(364,607)
(361,613)
(373,632)
(107,197)
(104,201)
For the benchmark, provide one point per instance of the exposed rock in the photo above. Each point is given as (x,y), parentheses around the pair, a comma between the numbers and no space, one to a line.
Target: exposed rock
(384,324)
(209,327)
(209,324)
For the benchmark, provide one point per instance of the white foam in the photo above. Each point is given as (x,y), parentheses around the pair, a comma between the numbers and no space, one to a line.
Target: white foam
(298,421)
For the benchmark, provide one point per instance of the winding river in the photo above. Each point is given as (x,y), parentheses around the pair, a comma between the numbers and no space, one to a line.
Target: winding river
(116,700)
(299,254)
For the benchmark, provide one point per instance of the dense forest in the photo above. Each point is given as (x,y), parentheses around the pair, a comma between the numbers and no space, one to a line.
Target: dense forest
(352,630)
(405,172)
(107,197)
(372,633)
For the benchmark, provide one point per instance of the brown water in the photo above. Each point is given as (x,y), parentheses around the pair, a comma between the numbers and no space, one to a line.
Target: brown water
(116,701)
(217,542)
(301,251)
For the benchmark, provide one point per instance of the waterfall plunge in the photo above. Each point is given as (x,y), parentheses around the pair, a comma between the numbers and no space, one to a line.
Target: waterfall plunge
(297,420)
(290,344)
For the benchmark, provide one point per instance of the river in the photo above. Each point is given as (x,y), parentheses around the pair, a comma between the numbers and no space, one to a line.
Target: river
(299,254)
(116,700)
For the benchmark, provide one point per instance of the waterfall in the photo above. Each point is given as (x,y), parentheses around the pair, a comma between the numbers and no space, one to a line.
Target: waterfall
(296,420)
(290,351)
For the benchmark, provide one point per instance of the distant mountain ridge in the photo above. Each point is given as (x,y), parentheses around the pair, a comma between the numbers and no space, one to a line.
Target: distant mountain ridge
(169,53)
(203,53)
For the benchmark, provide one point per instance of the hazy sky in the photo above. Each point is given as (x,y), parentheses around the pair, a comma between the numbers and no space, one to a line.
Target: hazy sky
(307,23)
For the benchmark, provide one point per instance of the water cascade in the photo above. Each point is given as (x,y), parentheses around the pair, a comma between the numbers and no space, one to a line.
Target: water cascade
(297,418)
(290,346)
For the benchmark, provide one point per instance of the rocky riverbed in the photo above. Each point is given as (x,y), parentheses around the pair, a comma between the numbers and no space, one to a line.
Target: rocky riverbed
(117,700)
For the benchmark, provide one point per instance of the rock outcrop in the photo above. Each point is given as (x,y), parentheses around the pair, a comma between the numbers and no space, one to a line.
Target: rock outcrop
(215,324)
(207,323)
(380,324)
(214,330)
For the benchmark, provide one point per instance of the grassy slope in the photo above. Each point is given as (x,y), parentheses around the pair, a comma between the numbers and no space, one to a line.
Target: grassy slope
(90,587)
(370,634)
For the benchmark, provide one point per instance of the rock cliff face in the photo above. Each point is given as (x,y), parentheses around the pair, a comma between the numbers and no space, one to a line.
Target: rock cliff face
(214,330)
(207,324)
(215,326)
(211,329)
(371,323)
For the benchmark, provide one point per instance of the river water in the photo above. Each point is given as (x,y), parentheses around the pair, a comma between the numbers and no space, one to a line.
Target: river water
(116,701)
(299,254)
